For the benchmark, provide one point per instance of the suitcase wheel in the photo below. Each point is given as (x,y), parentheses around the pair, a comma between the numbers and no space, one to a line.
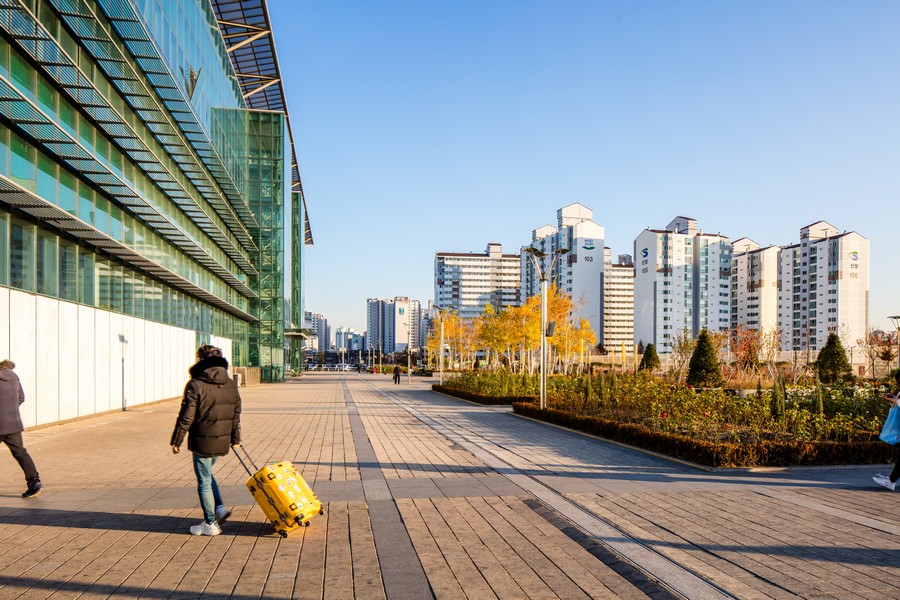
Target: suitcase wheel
(282,533)
(306,524)
(321,511)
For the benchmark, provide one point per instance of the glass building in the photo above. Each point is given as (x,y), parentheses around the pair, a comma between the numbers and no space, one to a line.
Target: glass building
(150,199)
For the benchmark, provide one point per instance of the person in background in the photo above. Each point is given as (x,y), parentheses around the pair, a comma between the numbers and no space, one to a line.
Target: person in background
(890,481)
(397,374)
(210,416)
(11,397)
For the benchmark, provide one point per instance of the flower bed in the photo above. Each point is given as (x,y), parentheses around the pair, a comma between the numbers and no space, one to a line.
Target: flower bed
(480,398)
(760,453)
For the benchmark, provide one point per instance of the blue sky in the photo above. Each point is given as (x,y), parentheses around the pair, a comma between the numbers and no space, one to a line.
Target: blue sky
(441,126)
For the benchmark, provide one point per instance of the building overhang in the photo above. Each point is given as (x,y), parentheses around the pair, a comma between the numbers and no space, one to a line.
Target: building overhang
(247,31)
(50,214)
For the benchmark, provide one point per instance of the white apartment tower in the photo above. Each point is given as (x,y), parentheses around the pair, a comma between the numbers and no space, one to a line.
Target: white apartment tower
(823,288)
(754,286)
(319,323)
(682,282)
(468,282)
(579,273)
(393,323)
(618,301)
(712,282)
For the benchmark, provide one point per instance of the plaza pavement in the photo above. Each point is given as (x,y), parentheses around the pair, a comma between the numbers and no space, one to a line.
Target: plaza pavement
(428,496)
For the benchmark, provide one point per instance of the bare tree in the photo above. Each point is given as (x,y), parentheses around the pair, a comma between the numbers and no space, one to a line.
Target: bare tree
(769,347)
(682,349)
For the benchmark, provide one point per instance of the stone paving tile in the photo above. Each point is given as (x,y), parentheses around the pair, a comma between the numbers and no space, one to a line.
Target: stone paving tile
(113,519)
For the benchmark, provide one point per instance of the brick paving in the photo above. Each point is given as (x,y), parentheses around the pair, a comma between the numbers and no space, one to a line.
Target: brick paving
(427,496)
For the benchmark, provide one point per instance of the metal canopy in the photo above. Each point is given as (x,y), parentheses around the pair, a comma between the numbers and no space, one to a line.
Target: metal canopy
(45,51)
(34,124)
(247,32)
(79,18)
(13,195)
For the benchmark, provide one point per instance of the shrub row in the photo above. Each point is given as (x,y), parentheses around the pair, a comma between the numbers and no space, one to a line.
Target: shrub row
(480,398)
(765,453)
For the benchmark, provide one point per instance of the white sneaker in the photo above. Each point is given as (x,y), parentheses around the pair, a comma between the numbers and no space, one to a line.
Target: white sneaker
(205,528)
(222,513)
(884,481)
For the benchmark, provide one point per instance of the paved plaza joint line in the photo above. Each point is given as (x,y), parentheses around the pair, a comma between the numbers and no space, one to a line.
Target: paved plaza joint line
(427,496)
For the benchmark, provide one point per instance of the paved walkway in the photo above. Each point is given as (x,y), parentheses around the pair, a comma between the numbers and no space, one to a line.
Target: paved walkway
(427,496)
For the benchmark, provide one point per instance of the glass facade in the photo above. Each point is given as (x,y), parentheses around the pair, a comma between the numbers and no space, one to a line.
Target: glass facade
(267,181)
(111,191)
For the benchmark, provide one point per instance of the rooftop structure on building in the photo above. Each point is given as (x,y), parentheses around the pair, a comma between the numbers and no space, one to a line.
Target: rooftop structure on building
(578,272)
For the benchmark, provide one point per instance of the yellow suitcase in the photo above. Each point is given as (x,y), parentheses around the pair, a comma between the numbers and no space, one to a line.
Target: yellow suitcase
(283,495)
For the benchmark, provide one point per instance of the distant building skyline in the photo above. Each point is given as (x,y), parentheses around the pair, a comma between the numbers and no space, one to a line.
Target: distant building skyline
(466,282)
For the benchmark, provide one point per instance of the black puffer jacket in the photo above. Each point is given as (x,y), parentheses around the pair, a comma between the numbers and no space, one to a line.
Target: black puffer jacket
(211,410)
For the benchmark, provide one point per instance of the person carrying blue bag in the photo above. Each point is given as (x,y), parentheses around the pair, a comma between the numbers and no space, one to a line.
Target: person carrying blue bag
(890,434)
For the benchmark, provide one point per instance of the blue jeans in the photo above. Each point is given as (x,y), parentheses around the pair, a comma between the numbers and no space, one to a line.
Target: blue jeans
(206,486)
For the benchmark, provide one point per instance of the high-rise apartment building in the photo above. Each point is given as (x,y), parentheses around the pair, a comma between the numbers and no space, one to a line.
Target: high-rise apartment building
(682,282)
(146,165)
(823,288)
(754,286)
(318,323)
(579,272)
(467,282)
(712,282)
(393,323)
(618,301)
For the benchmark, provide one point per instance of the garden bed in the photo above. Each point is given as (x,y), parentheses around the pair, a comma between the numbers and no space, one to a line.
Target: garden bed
(762,453)
(485,399)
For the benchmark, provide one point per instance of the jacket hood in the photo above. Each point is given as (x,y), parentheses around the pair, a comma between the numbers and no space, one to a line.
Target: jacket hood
(211,370)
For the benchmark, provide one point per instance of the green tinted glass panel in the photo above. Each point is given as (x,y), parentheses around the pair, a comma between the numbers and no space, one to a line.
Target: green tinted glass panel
(23,76)
(85,203)
(115,223)
(4,249)
(21,255)
(68,195)
(104,287)
(47,183)
(4,150)
(68,271)
(46,277)
(101,214)
(22,163)
(86,285)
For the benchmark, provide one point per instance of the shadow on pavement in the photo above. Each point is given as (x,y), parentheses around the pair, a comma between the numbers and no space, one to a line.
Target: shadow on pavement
(78,519)
(10,584)
(855,555)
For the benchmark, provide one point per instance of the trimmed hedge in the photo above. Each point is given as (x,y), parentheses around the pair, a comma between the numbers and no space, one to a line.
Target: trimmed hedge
(480,398)
(764,453)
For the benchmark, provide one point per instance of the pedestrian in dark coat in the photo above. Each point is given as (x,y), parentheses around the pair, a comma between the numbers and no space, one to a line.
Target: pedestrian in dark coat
(397,374)
(11,397)
(210,416)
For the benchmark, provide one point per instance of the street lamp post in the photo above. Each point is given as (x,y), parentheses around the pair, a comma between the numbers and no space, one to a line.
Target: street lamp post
(895,320)
(441,313)
(535,254)
(441,355)
(409,347)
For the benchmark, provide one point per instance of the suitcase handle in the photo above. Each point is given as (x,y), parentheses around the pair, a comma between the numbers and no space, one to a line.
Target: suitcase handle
(247,454)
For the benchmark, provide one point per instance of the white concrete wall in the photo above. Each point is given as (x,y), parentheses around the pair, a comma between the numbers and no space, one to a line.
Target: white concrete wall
(75,360)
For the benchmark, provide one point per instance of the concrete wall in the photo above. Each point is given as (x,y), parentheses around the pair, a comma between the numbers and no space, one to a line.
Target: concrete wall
(76,360)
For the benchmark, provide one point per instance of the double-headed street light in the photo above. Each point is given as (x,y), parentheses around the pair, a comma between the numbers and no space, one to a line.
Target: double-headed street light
(535,254)
(442,312)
